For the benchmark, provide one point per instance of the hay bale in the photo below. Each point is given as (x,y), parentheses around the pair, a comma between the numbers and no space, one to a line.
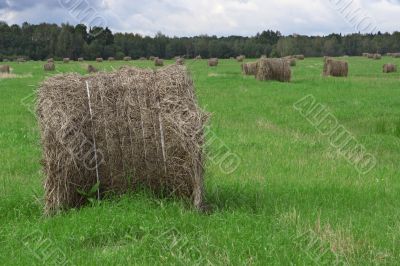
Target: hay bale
(263,56)
(91,69)
(80,59)
(148,130)
(335,68)
(50,66)
(396,55)
(152,58)
(377,56)
(143,58)
(50,60)
(127,58)
(158,62)
(240,58)
(21,60)
(198,57)
(111,59)
(249,69)
(365,54)
(66,60)
(292,60)
(213,62)
(389,54)
(274,69)
(370,56)
(389,68)
(5,69)
(99,60)
(299,57)
(180,61)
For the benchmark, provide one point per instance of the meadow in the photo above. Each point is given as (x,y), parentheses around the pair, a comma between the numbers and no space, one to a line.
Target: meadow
(293,199)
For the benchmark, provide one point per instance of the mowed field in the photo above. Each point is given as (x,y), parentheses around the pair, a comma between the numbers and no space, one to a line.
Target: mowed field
(293,199)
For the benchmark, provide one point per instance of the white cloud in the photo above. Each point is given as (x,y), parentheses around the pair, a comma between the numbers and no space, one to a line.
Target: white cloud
(219,17)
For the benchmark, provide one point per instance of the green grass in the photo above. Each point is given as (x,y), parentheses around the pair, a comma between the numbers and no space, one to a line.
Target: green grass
(292,200)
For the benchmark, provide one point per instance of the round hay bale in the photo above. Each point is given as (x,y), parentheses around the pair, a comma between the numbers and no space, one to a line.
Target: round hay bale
(292,60)
(21,60)
(50,60)
(146,125)
(152,58)
(240,58)
(80,59)
(389,68)
(6,60)
(143,58)
(99,60)
(335,68)
(111,59)
(5,69)
(158,62)
(396,55)
(213,62)
(180,61)
(198,57)
(274,69)
(66,60)
(50,66)
(365,54)
(299,57)
(377,56)
(249,69)
(127,58)
(91,69)
(263,56)
(370,56)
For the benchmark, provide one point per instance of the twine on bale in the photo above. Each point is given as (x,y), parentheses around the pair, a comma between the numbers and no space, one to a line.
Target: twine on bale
(94,140)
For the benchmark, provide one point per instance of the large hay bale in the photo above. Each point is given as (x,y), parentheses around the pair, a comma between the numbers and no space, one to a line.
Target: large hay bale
(111,59)
(299,57)
(66,60)
(213,62)
(180,61)
(80,59)
(377,56)
(389,68)
(240,58)
(5,69)
(133,127)
(335,68)
(99,60)
(127,58)
(249,69)
(396,55)
(50,66)
(91,69)
(274,69)
(198,57)
(158,62)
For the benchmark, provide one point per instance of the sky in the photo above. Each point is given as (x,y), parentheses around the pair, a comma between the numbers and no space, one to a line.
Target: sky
(212,17)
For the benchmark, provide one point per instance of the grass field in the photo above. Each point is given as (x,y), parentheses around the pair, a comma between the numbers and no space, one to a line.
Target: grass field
(292,200)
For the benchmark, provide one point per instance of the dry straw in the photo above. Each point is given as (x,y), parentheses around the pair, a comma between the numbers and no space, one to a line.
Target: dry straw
(158,62)
(5,69)
(335,68)
(389,68)
(274,69)
(50,66)
(249,69)
(146,125)
(213,62)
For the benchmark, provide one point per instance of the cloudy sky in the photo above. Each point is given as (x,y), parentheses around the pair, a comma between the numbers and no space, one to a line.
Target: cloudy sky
(219,17)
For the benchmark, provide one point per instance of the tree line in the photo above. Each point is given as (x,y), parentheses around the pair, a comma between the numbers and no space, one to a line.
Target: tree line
(42,41)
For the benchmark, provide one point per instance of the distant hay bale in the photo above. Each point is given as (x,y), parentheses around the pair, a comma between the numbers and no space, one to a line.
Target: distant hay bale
(50,60)
(158,62)
(396,55)
(99,60)
(365,54)
(240,58)
(21,60)
(127,58)
(198,57)
(377,56)
(50,66)
(335,68)
(370,56)
(111,59)
(148,130)
(231,58)
(299,57)
(274,69)
(91,69)
(292,60)
(249,69)
(389,54)
(80,59)
(142,58)
(389,68)
(6,60)
(5,69)
(180,61)
(152,58)
(66,60)
(213,62)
